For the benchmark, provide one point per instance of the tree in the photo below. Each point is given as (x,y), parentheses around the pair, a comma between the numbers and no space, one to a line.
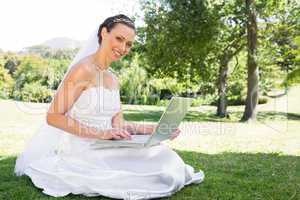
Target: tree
(201,38)
(177,36)
(12,62)
(230,41)
(31,69)
(280,34)
(55,72)
(253,76)
(6,83)
(195,41)
(279,25)
(293,77)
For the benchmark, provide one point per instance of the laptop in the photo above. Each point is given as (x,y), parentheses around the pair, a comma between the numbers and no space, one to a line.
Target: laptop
(168,123)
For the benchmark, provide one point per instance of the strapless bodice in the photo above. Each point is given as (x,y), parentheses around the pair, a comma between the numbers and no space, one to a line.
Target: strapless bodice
(96,106)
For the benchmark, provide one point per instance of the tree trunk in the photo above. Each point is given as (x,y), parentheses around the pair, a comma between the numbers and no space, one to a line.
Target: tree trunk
(223,74)
(222,87)
(253,76)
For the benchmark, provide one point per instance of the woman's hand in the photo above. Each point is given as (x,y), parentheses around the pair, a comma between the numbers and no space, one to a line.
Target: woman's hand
(115,134)
(175,134)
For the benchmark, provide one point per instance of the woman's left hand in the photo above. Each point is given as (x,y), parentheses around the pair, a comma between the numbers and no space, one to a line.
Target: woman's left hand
(175,134)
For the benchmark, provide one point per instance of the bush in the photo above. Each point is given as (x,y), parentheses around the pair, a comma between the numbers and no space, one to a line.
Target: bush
(163,102)
(237,100)
(134,84)
(34,92)
(56,72)
(204,100)
(262,100)
(6,83)
(293,78)
(36,78)
(31,69)
(11,62)
(166,87)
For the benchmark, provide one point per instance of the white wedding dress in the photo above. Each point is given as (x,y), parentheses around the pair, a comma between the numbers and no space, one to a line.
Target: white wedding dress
(121,173)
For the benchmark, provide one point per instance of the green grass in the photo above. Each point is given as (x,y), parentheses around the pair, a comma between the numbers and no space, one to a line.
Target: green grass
(229,176)
(207,116)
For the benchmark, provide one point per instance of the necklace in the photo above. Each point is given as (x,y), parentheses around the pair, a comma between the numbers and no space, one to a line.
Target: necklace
(99,67)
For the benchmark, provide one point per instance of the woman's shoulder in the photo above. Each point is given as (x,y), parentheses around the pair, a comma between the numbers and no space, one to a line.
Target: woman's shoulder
(80,73)
(83,67)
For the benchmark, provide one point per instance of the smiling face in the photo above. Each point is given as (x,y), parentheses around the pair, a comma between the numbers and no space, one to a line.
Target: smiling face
(118,41)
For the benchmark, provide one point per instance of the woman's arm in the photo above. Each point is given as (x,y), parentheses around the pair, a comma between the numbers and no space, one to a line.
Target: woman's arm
(69,91)
(133,128)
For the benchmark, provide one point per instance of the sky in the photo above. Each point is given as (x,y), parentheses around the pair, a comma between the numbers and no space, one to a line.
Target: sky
(25,23)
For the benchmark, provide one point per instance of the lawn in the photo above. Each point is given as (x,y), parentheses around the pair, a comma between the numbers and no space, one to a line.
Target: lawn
(241,161)
(229,176)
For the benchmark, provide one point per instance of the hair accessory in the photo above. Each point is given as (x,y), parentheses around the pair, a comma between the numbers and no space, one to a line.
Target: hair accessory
(118,20)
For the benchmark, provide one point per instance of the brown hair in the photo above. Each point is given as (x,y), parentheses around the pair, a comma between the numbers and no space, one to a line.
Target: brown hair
(111,22)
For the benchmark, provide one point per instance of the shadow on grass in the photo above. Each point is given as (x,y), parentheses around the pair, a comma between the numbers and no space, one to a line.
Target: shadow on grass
(154,116)
(227,176)
(270,116)
(208,116)
(278,115)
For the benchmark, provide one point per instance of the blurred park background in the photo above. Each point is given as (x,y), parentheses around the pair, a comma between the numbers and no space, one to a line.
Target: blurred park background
(238,59)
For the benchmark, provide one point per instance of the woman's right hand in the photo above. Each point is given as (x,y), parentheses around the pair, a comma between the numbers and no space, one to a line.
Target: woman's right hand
(115,134)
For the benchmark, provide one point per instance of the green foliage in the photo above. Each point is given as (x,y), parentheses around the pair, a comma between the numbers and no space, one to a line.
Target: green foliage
(31,69)
(270,77)
(180,44)
(278,33)
(134,85)
(56,72)
(296,51)
(293,78)
(238,100)
(263,100)
(190,38)
(179,52)
(167,84)
(204,100)
(10,62)
(6,83)
(39,77)
(237,80)
(177,36)
(138,88)
(34,92)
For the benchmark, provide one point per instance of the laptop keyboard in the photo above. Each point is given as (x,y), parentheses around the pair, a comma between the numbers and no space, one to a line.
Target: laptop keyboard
(134,139)
(137,139)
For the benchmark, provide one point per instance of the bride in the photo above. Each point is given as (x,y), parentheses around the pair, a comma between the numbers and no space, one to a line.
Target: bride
(86,107)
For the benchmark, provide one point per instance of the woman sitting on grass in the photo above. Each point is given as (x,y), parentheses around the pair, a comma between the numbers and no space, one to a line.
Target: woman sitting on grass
(59,159)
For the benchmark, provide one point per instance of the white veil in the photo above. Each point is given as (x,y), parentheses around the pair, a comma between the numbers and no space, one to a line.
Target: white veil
(49,140)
